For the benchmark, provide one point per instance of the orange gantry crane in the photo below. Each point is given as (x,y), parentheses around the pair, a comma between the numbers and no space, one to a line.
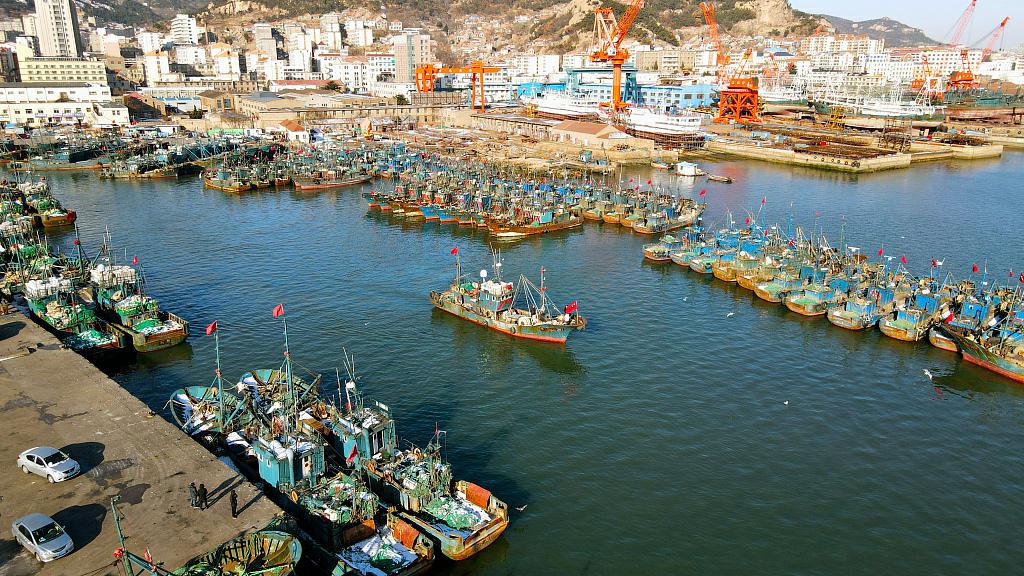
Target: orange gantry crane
(426,75)
(608,36)
(737,99)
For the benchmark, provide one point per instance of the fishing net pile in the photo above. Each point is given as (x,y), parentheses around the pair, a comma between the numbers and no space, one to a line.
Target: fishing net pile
(416,477)
(87,339)
(136,305)
(342,500)
(379,555)
(456,512)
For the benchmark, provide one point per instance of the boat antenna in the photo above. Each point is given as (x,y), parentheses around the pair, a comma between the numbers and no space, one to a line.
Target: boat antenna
(288,364)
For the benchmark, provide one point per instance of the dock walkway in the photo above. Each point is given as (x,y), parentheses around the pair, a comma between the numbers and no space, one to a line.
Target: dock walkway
(53,397)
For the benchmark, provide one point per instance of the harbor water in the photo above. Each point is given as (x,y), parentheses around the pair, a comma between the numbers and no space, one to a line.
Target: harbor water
(691,428)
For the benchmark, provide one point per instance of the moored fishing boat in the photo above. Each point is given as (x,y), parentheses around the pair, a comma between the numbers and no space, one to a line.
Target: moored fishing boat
(863,310)
(911,323)
(118,291)
(263,553)
(662,250)
(816,298)
(493,303)
(998,346)
(538,222)
(328,180)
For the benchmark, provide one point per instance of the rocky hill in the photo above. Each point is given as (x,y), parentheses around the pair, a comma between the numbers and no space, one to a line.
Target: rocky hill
(894,33)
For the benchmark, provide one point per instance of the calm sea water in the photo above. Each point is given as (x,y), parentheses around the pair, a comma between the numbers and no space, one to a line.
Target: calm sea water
(658,440)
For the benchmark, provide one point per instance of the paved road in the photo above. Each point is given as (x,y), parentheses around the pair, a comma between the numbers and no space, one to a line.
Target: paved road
(52,396)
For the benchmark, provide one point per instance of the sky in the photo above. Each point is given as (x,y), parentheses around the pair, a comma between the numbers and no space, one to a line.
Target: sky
(935,17)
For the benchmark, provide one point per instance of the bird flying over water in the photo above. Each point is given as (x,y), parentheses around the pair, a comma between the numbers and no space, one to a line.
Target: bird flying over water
(928,374)
(786,402)
(521,508)
(730,314)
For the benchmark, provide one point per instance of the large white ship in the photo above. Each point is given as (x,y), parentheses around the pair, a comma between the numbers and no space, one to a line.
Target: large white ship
(562,106)
(666,129)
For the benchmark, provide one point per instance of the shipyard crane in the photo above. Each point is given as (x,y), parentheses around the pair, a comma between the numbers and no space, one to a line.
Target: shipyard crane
(426,75)
(608,36)
(965,79)
(737,98)
(962,78)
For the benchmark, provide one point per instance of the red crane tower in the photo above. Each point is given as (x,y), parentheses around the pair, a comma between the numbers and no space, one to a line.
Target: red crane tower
(608,37)
(737,101)
(427,74)
(962,78)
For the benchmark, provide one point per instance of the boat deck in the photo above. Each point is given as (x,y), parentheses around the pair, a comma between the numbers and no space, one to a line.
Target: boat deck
(52,396)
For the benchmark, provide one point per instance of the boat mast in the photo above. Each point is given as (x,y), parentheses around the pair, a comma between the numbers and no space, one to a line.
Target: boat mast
(220,380)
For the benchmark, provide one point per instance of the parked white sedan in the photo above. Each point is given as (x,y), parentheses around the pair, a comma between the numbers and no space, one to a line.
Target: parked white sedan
(50,463)
(42,536)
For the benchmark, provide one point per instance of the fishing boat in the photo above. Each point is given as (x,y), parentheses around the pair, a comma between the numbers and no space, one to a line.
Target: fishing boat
(534,222)
(670,218)
(263,553)
(662,250)
(998,346)
(816,298)
(118,291)
(523,311)
(53,301)
(971,313)
(228,180)
(784,282)
(911,323)
(863,310)
(397,549)
(328,180)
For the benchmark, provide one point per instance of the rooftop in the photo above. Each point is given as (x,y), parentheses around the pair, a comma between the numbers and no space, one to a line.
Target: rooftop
(50,85)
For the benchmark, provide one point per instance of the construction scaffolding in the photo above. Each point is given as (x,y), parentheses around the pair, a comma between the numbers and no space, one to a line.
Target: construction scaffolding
(837,118)
(896,135)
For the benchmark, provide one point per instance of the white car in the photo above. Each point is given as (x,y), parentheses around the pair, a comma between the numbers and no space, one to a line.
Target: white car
(42,536)
(50,463)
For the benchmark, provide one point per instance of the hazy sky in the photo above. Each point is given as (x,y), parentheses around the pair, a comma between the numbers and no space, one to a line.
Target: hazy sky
(935,17)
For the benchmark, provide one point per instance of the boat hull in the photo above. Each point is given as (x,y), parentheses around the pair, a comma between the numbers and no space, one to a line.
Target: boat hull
(543,333)
(505,231)
(303,184)
(906,334)
(837,318)
(940,340)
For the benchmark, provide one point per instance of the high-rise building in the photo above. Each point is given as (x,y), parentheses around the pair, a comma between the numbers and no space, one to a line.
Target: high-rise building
(332,31)
(263,37)
(57,24)
(412,48)
(184,30)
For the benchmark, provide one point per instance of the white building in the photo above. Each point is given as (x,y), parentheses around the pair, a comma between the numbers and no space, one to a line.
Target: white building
(381,63)
(332,32)
(263,35)
(534,64)
(184,30)
(58,31)
(157,66)
(352,72)
(943,62)
(190,55)
(412,49)
(359,32)
(224,62)
(29,25)
(35,104)
(150,41)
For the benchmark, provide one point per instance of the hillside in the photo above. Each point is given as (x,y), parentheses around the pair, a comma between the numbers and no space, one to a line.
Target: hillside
(895,34)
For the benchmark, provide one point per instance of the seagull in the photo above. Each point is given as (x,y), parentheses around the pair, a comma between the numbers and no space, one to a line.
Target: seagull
(730,314)
(521,508)
(684,298)
(928,374)
(786,402)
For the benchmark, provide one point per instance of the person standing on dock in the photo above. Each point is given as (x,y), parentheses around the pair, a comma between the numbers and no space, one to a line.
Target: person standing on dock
(203,504)
(193,495)
(234,504)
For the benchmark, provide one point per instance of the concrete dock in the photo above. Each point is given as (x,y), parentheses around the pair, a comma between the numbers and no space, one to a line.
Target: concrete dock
(51,396)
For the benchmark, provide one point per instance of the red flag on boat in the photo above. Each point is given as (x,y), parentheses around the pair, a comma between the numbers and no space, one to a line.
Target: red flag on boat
(763,200)
(974,267)
(648,181)
(351,457)
(630,180)
(455,251)
(148,557)
(278,310)
(903,259)
(77,241)
(746,220)
(211,328)
(135,260)
(1022,277)
(792,243)
(881,251)
(571,307)
(435,428)
(703,191)
(934,263)
(949,317)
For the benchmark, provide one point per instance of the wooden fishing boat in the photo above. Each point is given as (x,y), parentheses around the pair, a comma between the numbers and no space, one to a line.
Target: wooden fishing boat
(815,299)
(723,266)
(972,314)
(266,553)
(912,323)
(610,217)
(662,250)
(541,223)
(862,311)
(327,182)
(998,349)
